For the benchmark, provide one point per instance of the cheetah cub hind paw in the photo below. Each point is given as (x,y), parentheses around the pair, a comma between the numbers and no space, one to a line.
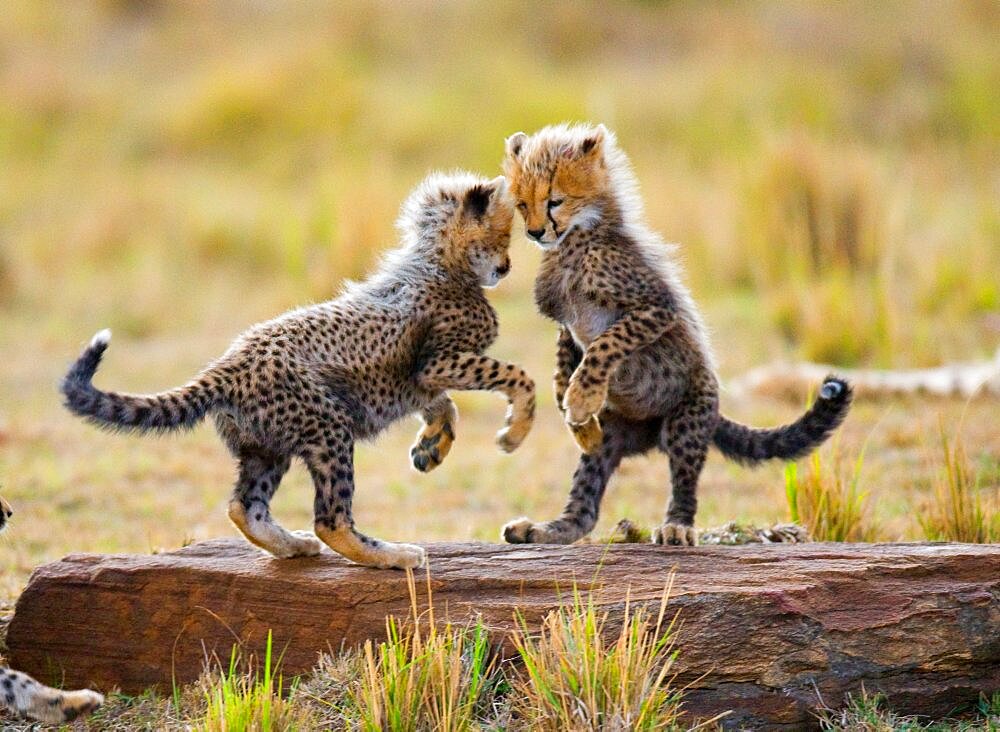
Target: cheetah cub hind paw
(305,545)
(526,531)
(401,556)
(518,531)
(671,534)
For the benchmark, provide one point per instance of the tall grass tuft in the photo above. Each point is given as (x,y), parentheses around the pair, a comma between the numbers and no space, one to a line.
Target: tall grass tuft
(249,701)
(424,677)
(575,678)
(827,501)
(958,511)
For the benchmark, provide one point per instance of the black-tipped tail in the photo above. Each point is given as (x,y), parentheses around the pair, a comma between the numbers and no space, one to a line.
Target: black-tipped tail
(175,409)
(749,445)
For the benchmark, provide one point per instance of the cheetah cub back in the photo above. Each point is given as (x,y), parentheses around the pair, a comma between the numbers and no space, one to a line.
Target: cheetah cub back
(313,382)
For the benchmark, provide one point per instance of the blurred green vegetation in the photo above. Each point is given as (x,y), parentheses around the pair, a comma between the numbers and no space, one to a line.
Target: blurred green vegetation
(836,163)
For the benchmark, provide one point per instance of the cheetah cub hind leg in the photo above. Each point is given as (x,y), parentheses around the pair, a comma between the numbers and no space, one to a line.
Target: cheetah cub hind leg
(673,534)
(262,531)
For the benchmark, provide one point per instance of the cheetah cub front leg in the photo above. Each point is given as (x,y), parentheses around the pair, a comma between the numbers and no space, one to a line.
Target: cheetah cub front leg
(581,406)
(464,370)
(26,697)
(435,439)
(589,434)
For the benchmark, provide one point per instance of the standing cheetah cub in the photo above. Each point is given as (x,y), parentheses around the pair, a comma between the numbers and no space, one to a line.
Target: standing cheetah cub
(634,370)
(25,697)
(312,382)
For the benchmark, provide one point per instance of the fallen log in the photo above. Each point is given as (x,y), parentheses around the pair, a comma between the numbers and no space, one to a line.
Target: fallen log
(767,632)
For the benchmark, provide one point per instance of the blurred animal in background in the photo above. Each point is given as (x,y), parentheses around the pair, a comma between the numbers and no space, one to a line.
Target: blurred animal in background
(312,382)
(25,697)
(731,533)
(793,380)
(634,368)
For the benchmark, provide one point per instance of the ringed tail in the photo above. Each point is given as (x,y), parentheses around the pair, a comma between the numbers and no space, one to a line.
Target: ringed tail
(750,446)
(179,408)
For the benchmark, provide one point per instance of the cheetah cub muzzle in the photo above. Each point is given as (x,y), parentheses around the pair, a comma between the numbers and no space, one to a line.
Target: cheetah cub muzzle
(311,383)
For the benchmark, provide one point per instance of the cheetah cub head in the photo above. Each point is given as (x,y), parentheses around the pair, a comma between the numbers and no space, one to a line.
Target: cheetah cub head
(561,179)
(465,220)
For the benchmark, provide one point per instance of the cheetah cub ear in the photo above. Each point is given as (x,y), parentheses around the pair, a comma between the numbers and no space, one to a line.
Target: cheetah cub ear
(590,147)
(480,197)
(514,144)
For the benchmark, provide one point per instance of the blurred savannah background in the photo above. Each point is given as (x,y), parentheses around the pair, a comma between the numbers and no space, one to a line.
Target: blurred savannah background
(180,170)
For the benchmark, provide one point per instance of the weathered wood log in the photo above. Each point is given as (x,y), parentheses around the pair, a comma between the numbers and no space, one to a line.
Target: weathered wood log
(768,632)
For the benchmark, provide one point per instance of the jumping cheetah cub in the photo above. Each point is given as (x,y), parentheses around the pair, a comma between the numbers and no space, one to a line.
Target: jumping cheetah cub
(634,370)
(25,697)
(312,382)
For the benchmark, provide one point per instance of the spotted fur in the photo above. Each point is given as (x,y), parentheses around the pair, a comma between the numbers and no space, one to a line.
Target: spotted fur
(634,369)
(25,697)
(314,381)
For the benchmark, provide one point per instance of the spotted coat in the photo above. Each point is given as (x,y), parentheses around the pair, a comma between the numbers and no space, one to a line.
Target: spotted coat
(634,370)
(313,382)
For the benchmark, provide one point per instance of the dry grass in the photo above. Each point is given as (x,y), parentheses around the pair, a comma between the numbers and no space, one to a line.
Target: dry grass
(579,676)
(828,500)
(426,678)
(868,712)
(965,504)
(250,700)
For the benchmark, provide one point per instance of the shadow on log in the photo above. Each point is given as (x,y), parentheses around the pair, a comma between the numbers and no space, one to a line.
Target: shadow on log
(767,632)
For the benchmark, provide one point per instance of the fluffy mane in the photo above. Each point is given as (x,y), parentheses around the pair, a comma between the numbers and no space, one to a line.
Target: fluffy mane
(422,220)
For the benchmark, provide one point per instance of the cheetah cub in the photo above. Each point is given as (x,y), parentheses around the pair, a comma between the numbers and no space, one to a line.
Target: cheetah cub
(314,381)
(25,697)
(634,369)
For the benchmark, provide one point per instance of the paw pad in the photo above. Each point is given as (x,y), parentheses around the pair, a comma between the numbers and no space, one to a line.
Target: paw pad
(430,450)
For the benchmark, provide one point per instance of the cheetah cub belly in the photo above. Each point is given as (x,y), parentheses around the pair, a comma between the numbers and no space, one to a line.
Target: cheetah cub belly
(25,697)
(314,381)
(634,370)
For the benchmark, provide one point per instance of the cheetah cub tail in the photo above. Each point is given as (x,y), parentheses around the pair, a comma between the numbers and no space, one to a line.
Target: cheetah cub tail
(749,446)
(177,408)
